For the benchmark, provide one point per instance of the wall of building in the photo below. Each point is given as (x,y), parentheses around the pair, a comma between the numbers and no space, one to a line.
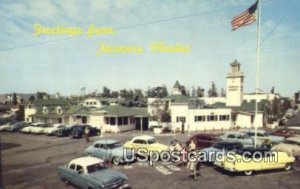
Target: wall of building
(212,124)
(28,112)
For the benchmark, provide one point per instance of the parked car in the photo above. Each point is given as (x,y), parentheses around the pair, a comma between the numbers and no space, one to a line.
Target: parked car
(91,173)
(145,142)
(51,130)
(17,126)
(235,136)
(40,129)
(209,154)
(28,129)
(78,131)
(64,131)
(262,136)
(290,145)
(111,150)
(204,140)
(248,160)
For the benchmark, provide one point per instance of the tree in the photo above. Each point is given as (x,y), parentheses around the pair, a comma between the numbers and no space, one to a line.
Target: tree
(223,93)
(200,92)
(14,99)
(31,98)
(115,94)
(106,92)
(212,92)
(157,92)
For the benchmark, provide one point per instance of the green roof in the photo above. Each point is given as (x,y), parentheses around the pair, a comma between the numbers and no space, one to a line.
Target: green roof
(178,98)
(250,106)
(76,110)
(121,111)
(51,102)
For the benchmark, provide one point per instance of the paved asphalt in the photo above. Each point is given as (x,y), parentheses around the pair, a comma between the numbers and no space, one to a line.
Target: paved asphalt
(31,161)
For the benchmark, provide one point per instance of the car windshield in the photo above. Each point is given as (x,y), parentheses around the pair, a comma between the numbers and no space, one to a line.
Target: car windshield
(114,145)
(151,141)
(289,142)
(95,167)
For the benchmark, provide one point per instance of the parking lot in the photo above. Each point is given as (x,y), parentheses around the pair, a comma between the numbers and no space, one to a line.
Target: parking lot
(31,161)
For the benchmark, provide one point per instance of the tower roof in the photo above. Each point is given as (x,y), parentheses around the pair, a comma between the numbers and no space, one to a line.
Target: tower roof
(234,63)
(176,85)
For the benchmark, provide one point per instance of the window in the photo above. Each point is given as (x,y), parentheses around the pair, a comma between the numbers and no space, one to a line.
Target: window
(224,117)
(125,120)
(45,110)
(79,168)
(180,119)
(138,141)
(230,136)
(120,121)
(199,118)
(212,118)
(97,145)
(72,166)
(112,121)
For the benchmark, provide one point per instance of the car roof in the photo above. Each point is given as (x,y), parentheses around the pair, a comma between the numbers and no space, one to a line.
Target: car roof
(295,128)
(86,161)
(143,137)
(225,143)
(205,134)
(234,132)
(105,141)
(295,139)
(252,130)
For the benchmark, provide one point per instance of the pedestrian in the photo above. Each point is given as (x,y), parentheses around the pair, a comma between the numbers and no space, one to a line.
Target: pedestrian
(194,164)
(182,127)
(192,146)
(87,134)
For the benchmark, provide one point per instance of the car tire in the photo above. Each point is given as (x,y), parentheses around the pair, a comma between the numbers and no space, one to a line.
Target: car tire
(288,167)
(116,161)
(248,173)
(65,181)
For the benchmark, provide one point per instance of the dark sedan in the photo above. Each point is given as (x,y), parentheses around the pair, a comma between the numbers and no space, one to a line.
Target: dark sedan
(204,140)
(78,131)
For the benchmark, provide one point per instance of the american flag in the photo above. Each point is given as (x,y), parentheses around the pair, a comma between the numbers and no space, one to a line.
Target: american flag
(245,18)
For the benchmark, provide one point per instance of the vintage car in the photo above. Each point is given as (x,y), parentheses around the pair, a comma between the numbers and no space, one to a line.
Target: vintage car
(31,127)
(17,126)
(4,127)
(91,173)
(64,131)
(249,160)
(204,140)
(209,154)
(40,129)
(78,131)
(235,136)
(287,132)
(290,145)
(262,136)
(145,142)
(51,130)
(111,150)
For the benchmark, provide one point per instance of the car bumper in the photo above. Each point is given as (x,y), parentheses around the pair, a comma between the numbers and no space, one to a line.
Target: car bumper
(124,186)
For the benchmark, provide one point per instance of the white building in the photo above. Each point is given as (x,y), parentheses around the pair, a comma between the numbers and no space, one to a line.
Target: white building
(96,102)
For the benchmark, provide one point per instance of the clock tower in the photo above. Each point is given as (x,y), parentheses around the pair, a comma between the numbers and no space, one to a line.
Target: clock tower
(235,82)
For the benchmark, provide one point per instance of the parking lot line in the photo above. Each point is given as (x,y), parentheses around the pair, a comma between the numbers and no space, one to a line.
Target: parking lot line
(163,170)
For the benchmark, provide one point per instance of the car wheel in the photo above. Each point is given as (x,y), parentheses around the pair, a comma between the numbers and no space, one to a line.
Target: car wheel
(248,173)
(287,167)
(65,181)
(116,161)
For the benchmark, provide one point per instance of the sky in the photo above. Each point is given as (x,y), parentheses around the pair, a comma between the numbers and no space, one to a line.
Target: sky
(65,64)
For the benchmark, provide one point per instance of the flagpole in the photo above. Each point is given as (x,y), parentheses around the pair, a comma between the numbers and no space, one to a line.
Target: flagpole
(257,69)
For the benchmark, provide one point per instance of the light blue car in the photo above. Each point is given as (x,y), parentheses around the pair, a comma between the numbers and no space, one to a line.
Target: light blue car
(91,173)
(110,150)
